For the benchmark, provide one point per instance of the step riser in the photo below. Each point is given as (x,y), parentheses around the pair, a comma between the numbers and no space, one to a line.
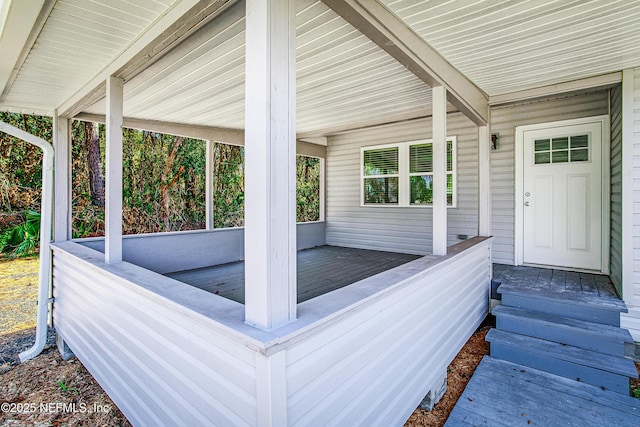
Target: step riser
(557,333)
(558,308)
(607,380)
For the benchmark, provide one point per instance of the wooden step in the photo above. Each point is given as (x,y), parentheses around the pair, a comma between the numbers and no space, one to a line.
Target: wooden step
(602,370)
(504,393)
(592,308)
(564,330)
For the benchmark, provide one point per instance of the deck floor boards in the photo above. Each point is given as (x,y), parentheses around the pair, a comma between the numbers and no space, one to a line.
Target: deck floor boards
(320,270)
(587,285)
(505,393)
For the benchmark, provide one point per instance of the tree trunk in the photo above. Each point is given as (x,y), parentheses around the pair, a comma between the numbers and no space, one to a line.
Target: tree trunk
(165,186)
(94,159)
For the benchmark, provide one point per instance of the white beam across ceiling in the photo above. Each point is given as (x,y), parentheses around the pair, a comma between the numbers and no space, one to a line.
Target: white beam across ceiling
(601,81)
(226,135)
(314,147)
(181,20)
(17,19)
(392,35)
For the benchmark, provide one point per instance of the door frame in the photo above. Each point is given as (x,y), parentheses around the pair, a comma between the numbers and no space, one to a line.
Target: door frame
(603,120)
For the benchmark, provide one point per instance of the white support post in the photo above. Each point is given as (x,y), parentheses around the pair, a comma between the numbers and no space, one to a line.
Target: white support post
(270,159)
(439,170)
(210,162)
(62,178)
(484,181)
(628,177)
(113,187)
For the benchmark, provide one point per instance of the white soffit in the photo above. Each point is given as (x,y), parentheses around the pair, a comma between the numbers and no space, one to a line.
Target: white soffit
(79,38)
(17,18)
(342,77)
(509,46)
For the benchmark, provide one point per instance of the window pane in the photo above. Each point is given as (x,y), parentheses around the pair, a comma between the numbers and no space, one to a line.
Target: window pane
(449,189)
(381,190)
(560,143)
(579,141)
(579,155)
(421,189)
(449,156)
(560,156)
(542,158)
(383,161)
(420,158)
(542,145)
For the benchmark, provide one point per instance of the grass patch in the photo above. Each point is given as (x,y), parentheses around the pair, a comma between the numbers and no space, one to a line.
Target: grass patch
(18,294)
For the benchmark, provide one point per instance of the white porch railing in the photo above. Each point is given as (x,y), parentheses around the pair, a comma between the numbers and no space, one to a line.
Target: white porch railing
(168,353)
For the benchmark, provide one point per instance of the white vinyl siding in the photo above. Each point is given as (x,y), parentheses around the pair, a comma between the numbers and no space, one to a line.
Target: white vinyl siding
(504,121)
(376,363)
(160,362)
(615,264)
(391,228)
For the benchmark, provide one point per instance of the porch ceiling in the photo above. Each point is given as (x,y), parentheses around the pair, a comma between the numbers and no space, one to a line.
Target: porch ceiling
(511,46)
(344,79)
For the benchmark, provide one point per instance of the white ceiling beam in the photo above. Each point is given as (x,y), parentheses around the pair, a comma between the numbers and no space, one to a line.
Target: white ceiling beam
(211,133)
(20,23)
(392,35)
(314,147)
(601,81)
(176,24)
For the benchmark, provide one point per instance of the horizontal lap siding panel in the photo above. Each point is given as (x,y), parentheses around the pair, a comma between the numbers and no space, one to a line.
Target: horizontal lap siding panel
(406,229)
(504,121)
(615,265)
(383,358)
(159,365)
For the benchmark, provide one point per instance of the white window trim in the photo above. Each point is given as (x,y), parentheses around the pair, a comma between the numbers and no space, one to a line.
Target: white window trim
(404,186)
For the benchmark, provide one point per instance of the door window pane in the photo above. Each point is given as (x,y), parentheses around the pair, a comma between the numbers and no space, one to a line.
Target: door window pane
(560,143)
(560,156)
(579,155)
(580,141)
(542,158)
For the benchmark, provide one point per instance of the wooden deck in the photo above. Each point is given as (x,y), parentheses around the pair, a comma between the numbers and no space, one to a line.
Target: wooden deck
(320,270)
(561,282)
(502,393)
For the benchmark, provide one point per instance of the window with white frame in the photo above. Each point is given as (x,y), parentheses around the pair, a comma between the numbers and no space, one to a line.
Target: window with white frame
(402,174)
(381,168)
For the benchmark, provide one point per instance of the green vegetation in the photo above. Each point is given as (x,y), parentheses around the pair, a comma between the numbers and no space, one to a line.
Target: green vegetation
(66,389)
(164,183)
(22,239)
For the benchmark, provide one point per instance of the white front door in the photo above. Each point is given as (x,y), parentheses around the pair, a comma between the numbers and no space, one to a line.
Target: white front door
(562,196)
